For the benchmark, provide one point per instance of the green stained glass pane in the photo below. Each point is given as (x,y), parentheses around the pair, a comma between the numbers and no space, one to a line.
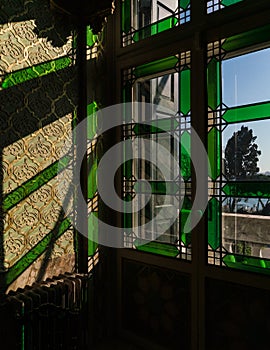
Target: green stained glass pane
(35,72)
(214,210)
(127,97)
(157,126)
(157,187)
(247,113)
(186,216)
(247,263)
(128,221)
(185,155)
(213,83)
(27,259)
(92,247)
(187,204)
(90,37)
(214,138)
(247,189)
(128,163)
(185,91)
(92,179)
(156,66)
(92,233)
(126,16)
(141,33)
(155,28)
(128,169)
(165,24)
(184,4)
(92,108)
(252,37)
(14,197)
(230,2)
(185,220)
(128,197)
(156,247)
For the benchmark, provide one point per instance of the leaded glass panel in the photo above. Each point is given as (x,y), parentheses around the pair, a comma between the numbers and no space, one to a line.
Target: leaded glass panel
(238,124)
(144,18)
(165,122)
(92,200)
(216,5)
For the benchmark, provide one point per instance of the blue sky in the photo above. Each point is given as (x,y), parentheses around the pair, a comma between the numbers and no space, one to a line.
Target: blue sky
(245,80)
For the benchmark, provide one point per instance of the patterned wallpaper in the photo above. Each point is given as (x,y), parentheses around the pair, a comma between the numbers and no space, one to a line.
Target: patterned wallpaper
(21,47)
(37,100)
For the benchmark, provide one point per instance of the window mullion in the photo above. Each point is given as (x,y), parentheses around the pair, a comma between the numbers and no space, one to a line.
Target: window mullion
(199,188)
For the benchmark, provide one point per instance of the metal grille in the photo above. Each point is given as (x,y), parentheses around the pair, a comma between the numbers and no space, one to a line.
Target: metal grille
(48,315)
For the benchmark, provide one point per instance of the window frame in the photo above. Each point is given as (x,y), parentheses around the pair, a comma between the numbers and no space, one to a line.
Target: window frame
(194,36)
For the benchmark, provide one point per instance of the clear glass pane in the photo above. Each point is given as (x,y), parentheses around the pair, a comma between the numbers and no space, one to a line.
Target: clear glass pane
(240,87)
(245,223)
(246,151)
(216,5)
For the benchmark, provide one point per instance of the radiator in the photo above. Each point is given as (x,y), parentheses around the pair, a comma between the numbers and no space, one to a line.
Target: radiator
(48,315)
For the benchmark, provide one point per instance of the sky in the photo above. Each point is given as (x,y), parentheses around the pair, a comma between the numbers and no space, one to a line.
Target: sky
(246,80)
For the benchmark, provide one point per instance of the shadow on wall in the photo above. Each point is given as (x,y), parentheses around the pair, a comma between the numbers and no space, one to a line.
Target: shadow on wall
(30,105)
(48,25)
(26,107)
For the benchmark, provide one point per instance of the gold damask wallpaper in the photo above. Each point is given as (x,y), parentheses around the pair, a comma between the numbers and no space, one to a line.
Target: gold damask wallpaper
(20,47)
(30,155)
(37,103)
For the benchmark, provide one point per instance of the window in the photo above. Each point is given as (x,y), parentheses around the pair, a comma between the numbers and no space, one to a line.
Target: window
(225,265)
(143,18)
(238,103)
(164,121)
(216,5)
